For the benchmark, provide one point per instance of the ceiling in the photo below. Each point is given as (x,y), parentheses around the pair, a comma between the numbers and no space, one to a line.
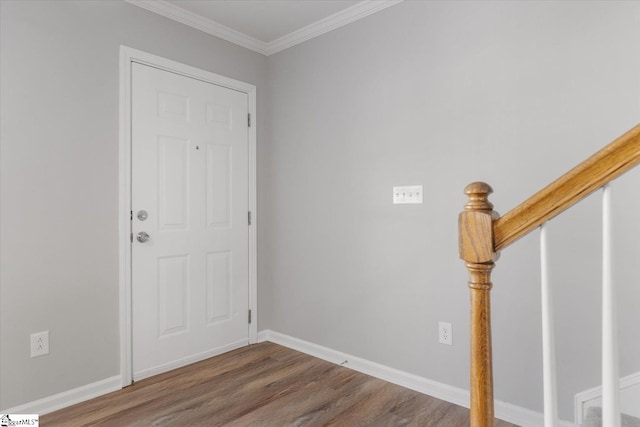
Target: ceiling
(265,26)
(264,20)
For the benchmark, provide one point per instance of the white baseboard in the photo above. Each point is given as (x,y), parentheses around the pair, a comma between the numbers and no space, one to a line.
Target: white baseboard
(522,416)
(503,410)
(629,392)
(68,398)
(96,389)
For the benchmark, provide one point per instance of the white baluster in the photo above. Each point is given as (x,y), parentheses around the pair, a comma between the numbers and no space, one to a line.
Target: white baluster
(548,339)
(610,381)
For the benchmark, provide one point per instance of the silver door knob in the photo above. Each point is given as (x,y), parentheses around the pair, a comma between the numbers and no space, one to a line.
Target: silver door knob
(142,237)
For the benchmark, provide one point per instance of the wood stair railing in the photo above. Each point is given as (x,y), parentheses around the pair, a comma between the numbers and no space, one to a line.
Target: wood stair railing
(482,234)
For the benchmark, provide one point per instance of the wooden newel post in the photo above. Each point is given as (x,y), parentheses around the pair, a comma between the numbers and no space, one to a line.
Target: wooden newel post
(475,226)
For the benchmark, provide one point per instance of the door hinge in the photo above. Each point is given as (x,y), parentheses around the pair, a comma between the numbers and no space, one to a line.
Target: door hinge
(131,237)
(249,119)
(249,316)
(249,217)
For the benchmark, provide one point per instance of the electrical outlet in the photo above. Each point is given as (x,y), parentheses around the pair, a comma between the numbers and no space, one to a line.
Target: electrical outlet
(445,333)
(39,343)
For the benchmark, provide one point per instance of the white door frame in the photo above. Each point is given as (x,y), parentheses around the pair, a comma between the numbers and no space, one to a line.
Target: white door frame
(127,56)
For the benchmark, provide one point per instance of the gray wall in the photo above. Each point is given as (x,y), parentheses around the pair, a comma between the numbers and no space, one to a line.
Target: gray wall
(439,94)
(59,182)
(443,94)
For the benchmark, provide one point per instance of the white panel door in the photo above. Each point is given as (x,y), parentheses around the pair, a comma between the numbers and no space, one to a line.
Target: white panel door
(190,296)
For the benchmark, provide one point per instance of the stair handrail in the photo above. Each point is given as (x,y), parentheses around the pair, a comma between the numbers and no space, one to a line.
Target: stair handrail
(483,233)
(603,167)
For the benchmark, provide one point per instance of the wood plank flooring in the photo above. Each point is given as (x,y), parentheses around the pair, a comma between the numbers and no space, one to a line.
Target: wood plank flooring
(262,385)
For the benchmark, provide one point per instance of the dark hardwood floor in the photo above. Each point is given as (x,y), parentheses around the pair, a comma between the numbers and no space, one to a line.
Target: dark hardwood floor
(262,385)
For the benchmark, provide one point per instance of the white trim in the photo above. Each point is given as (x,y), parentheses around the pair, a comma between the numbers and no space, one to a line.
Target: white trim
(503,410)
(67,398)
(124,207)
(610,371)
(253,208)
(264,336)
(330,23)
(522,416)
(188,360)
(171,11)
(414,382)
(585,396)
(127,56)
(550,392)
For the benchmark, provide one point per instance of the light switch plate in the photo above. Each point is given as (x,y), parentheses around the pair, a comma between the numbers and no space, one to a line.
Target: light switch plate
(408,194)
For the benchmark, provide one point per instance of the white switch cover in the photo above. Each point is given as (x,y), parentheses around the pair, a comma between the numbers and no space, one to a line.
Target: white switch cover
(407,194)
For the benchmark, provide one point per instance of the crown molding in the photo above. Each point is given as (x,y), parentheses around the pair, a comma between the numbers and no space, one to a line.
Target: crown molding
(330,23)
(169,10)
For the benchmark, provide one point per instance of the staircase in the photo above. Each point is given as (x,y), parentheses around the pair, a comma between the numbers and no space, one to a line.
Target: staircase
(483,234)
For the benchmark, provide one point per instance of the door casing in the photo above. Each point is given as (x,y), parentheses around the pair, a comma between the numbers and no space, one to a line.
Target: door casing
(127,57)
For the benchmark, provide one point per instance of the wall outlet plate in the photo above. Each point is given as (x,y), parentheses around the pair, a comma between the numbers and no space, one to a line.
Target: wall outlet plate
(39,343)
(445,333)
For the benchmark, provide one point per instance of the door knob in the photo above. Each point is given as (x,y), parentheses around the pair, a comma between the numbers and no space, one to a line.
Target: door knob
(142,237)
